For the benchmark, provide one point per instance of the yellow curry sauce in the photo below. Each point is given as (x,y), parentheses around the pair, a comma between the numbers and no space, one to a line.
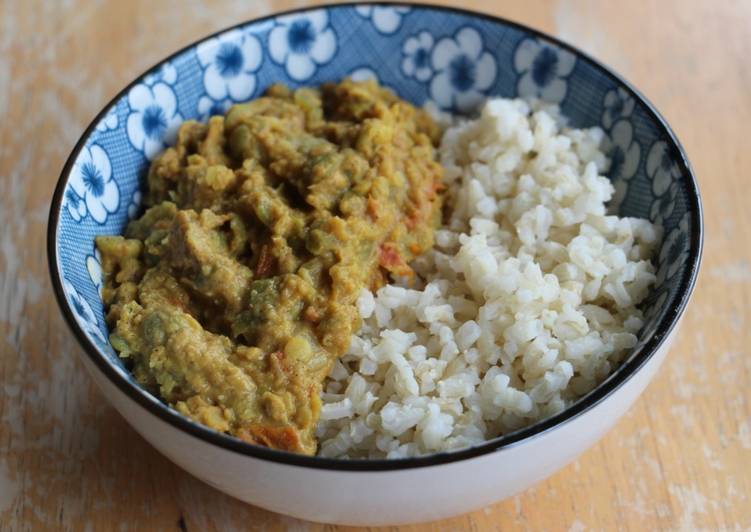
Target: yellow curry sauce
(235,292)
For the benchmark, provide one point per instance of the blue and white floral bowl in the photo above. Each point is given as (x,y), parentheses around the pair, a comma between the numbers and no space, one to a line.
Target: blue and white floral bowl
(455,59)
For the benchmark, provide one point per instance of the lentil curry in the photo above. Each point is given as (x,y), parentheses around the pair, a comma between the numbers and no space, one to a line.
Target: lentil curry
(234,293)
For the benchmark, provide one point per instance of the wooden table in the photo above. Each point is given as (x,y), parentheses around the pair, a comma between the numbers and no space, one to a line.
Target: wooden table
(681,459)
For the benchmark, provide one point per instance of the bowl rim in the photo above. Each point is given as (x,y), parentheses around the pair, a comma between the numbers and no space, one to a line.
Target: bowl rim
(229,443)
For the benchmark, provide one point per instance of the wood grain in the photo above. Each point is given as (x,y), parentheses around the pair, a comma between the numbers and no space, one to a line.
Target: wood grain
(680,460)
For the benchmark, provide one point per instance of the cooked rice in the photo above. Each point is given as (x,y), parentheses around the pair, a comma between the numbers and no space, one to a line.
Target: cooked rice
(527,302)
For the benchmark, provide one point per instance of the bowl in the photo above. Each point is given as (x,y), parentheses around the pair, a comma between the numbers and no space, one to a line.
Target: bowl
(455,59)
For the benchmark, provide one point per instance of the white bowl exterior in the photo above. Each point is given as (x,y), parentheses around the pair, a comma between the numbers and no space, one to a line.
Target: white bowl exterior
(370,498)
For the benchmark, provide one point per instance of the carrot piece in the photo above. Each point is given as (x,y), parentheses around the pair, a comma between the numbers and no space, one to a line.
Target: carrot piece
(282,438)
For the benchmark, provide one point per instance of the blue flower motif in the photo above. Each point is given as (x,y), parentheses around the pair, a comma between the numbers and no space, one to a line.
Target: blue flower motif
(229,63)
(208,107)
(91,188)
(153,119)
(167,73)
(655,308)
(385,19)
(661,167)
(464,71)
(260,27)
(94,267)
(624,153)
(302,43)
(75,204)
(362,74)
(82,312)
(109,122)
(416,51)
(135,204)
(617,104)
(674,251)
(664,205)
(543,69)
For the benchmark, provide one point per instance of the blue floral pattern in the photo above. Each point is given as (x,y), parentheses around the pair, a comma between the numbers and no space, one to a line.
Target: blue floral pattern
(617,104)
(167,73)
(82,310)
(153,120)
(386,19)
(663,172)
(416,63)
(657,306)
(464,71)
(229,64)
(661,167)
(208,107)
(109,122)
(674,251)
(91,189)
(94,267)
(663,206)
(543,69)
(135,205)
(75,204)
(624,153)
(363,74)
(423,54)
(302,43)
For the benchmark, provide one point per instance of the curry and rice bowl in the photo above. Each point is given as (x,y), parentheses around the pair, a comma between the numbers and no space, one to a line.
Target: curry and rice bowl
(527,301)
(326,270)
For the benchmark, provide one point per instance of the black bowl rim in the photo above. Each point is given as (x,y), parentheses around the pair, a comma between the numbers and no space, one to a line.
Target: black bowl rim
(229,443)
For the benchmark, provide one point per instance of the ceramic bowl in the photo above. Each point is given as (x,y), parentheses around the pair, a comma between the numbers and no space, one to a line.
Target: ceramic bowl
(456,59)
